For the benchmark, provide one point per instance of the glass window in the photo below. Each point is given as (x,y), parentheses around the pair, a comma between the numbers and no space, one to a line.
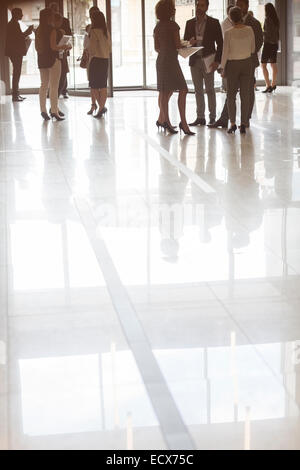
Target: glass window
(127,42)
(293,45)
(78,14)
(30,77)
(258,9)
(150,22)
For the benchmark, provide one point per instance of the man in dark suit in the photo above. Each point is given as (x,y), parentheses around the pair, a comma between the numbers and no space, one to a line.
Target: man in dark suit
(66,27)
(16,49)
(249,20)
(204,31)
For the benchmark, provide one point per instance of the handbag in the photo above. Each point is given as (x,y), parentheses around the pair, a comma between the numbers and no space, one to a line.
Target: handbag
(84,60)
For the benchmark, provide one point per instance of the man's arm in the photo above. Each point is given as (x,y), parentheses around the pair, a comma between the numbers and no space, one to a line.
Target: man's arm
(21,34)
(258,33)
(187,34)
(219,42)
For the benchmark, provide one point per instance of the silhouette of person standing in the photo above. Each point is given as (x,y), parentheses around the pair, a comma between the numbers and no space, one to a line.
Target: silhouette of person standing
(16,49)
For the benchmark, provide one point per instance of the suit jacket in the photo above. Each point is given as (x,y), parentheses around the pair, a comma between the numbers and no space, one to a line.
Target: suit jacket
(258,34)
(15,40)
(212,37)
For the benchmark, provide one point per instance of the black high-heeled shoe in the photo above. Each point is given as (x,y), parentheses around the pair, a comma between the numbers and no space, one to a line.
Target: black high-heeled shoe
(93,108)
(273,88)
(60,113)
(101,113)
(242,129)
(169,128)
(57,117)
(185,131)
(45,116)
(232,129)
(159,125)
(269,89)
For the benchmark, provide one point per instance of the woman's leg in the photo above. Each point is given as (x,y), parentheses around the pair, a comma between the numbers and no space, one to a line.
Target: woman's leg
(45,76)
(245,84)
(266,74)
(275,72)
(96,94)
(233,84)
(165,97)
(160,117)
(102,98)
(55,73)
(93,96)
(182,108)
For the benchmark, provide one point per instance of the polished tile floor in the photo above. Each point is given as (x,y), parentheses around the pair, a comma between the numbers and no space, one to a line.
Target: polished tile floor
(149,284)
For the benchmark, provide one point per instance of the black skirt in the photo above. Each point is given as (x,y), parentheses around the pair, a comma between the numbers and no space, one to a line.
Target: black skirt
(269,53)
(98,71)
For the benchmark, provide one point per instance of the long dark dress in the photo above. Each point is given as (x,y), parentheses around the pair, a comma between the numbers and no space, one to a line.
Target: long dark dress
(169,73)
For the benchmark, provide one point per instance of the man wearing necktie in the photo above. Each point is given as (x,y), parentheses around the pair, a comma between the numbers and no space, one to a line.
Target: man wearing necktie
(204,31)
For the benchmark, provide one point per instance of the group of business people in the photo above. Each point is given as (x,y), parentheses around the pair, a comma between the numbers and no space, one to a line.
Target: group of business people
(18,42)
(234,50)
(52,58)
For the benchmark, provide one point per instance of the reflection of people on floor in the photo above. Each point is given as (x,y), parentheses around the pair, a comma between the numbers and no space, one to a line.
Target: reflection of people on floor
(56,143)
(16,136)
(207,207)
(282,172)
(244,208)
(101,174)
(172,187)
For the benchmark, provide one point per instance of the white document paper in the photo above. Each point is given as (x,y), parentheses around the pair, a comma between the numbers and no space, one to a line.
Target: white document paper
(208,61)
(65,40)
(188,51)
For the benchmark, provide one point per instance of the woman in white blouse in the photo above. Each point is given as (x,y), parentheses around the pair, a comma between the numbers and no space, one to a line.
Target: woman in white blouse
(239,45)
(99,49)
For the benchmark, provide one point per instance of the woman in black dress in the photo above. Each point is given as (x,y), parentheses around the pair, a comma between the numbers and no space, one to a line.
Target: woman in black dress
(169,74)
(269,53)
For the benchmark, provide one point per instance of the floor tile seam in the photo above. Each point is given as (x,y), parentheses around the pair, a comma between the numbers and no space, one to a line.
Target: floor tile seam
(259,354)
(190,174)
(126,314)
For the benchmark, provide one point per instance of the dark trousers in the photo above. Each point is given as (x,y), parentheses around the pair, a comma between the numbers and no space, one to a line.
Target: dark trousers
(63,83)
(239,77)
(17,68)
(225,115)
(64,89)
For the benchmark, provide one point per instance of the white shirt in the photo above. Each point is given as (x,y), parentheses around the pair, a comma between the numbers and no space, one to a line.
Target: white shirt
(99,45)
(239,44)
(226,25)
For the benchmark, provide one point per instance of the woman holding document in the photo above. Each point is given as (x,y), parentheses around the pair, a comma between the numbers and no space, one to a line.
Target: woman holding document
(169,74)
(49,63)
(236,65)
